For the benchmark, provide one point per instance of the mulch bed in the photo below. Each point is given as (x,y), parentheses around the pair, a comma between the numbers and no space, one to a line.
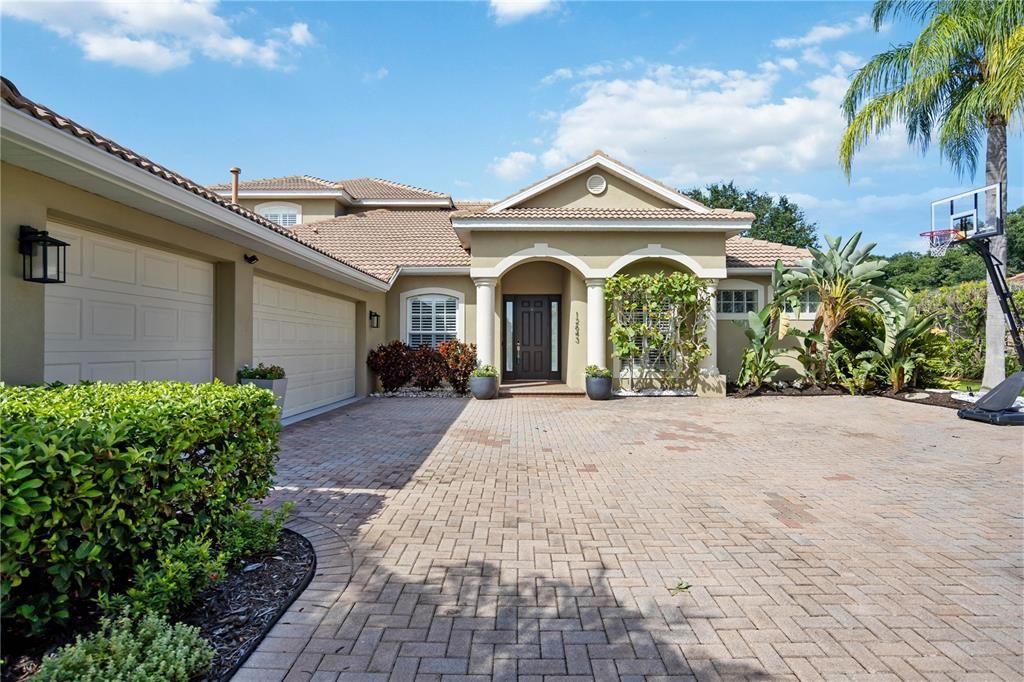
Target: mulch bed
(236,612)
(233,615)
(920,397)
(806,391)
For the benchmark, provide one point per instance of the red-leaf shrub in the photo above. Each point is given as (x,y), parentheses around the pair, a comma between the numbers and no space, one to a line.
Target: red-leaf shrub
(393,365)
(460,361)
(428,369)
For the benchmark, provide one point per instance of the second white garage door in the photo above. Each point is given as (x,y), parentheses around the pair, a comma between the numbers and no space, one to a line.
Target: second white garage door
(312,336)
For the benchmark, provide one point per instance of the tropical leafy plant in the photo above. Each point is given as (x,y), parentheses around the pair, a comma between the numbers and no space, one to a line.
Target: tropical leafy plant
(658,326)
(261,371)
(962,79)
(852,371)
(393,364)
(760,358)
(909,344)
(460,361)
(428,369)
(595,372)
(843,277)
(486,371)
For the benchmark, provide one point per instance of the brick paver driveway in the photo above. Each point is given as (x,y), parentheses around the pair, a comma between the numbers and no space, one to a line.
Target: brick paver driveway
(820,537)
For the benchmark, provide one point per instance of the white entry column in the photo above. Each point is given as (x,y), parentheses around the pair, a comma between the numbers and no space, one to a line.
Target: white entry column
(485,320)
(597,336)
(710,363)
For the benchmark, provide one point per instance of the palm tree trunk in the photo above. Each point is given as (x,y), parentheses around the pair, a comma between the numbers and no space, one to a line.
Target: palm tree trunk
(995,325)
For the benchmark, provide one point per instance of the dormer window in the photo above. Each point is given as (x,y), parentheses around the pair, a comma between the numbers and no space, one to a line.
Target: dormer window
(284,214)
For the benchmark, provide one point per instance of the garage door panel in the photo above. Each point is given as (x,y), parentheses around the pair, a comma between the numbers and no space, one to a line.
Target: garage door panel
(312,336)
(107,324)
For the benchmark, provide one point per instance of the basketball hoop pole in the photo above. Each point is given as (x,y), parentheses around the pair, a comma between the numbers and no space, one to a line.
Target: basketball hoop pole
(995,275)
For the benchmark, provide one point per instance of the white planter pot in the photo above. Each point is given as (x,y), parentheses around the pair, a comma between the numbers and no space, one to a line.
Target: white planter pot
(278,386)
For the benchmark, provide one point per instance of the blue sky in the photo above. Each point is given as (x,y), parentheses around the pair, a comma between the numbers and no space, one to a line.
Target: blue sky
(479,99)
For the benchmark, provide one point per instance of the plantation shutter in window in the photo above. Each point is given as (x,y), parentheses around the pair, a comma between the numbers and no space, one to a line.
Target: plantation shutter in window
(432,320)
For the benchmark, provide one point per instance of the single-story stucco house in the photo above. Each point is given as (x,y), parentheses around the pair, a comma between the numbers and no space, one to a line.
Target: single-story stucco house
(167,278)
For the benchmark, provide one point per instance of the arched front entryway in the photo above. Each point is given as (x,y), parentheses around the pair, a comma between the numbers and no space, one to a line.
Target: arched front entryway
(541,314)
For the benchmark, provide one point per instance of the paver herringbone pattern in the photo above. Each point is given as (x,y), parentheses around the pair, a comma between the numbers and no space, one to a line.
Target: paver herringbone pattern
(822,538)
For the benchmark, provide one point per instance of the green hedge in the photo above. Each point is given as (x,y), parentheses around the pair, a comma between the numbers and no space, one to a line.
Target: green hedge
(96,478)
(961,314)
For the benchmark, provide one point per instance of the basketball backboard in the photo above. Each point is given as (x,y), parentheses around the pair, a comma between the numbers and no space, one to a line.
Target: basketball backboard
(975,214)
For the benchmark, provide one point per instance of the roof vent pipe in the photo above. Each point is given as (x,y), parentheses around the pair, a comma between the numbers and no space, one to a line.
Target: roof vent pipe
(234,184)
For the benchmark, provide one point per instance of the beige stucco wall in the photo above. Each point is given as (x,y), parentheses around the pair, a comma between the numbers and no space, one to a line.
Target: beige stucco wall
(574,193)
(312,209)
(732,341)
(32,199)
(599,249)
(406,283)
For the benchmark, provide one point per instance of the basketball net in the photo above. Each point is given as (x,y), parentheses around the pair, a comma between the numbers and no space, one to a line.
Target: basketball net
(939,241)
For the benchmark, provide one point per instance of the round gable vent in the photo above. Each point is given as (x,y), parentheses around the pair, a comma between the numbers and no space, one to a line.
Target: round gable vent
(596,184)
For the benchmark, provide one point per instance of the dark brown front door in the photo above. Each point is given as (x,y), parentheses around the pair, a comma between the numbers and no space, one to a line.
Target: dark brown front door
(533,340)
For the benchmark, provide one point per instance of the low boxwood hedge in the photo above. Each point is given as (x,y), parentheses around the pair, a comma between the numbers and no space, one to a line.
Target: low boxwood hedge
(97,478)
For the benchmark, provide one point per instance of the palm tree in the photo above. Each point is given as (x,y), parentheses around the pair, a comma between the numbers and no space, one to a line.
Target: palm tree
(962,78)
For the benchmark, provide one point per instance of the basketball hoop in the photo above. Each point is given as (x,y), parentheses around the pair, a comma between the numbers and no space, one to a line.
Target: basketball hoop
(939,241)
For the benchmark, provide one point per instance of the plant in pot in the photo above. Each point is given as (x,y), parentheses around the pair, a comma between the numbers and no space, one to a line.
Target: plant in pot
(599,382)
(483,383)
(270,377)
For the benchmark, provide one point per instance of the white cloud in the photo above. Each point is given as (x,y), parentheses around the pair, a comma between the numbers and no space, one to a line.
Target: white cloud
(561,74)
(375,75)
(514,166)
(159,36)
(147,55)
(823,33)
(701,125)
(849,61)
(591,71)
(511,11)
(813,55)
(299,34)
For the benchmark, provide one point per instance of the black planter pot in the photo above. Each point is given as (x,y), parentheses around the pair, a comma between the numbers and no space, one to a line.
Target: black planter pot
(483,388)
(599,388)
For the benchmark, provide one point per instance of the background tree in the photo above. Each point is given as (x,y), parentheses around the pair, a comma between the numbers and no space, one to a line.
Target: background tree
(778,220)
(1015,241)
(962,78)
(917,271)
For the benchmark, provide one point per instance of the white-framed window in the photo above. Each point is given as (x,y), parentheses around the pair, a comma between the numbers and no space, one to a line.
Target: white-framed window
(736,297)
(284,214)
(431,319)
(738,301)
(808,307)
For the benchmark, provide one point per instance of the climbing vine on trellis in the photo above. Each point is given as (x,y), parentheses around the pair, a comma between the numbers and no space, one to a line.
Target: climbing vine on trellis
(659,326)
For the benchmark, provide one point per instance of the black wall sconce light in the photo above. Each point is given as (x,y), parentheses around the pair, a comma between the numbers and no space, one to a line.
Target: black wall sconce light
(251,258)
(44,259)
(374,320)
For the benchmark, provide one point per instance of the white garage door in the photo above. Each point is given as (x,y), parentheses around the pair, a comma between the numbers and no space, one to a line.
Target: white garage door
(128,312)
(312,336)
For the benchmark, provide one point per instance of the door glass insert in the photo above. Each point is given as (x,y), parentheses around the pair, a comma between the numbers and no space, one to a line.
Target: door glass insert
(509,335)
(554,336)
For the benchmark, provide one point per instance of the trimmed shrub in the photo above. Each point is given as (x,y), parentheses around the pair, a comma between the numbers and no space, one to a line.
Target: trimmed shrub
(393,364)
(429,369)
(178,574)
(245,535)
(97,478)
(460,361)
(131,649)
